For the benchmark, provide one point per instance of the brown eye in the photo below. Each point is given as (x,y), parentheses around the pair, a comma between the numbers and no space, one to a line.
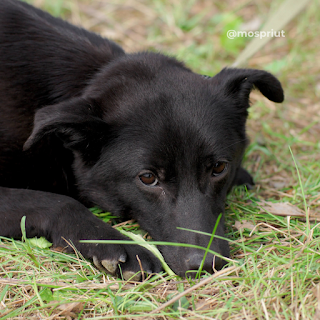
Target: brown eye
(218,168)
(149,179)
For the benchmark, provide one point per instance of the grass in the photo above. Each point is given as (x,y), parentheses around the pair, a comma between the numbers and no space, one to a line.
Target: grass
(276,268)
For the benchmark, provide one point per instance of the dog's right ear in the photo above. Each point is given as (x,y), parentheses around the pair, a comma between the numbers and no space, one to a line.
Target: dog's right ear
(239,83)
(75,122)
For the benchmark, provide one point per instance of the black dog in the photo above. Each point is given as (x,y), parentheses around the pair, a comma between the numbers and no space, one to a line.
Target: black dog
(84,124)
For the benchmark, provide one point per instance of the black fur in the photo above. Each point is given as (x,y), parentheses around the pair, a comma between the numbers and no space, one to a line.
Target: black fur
(81,121)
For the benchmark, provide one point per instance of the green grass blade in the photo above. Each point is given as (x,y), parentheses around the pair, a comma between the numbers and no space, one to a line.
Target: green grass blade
(208,246)
(26,241)
(302,191)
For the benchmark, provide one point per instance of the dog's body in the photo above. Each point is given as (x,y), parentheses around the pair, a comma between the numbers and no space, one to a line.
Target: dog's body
(82,124)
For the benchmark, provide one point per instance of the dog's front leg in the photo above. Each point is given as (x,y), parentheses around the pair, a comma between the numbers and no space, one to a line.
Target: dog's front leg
(63,220)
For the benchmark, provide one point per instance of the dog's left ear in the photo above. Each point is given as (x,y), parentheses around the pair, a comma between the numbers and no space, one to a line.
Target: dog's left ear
(74,122)
(240,82)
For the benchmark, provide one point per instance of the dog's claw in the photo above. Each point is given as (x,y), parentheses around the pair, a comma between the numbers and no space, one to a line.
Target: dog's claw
(123,258)
(97,263)
(110,265)
(105,265)
(132,276)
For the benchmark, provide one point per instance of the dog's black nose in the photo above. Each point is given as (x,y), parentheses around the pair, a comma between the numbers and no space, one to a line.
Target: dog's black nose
(194,261)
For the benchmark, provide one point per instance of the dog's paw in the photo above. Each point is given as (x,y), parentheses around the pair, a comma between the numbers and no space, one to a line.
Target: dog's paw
(243,177)
(77,223)
(124,261)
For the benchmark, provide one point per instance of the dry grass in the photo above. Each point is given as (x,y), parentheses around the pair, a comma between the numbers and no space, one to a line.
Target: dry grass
(276,273)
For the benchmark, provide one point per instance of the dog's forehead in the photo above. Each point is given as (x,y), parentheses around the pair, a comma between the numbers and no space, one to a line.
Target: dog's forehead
(167,132)
(184,111)
(165,110)
(166,93)
(147,78)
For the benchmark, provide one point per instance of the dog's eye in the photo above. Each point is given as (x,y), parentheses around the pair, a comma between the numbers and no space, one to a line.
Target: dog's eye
(218,168)
(149,179)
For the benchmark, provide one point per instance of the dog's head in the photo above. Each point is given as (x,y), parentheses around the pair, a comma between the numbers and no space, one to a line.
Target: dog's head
(154,141)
